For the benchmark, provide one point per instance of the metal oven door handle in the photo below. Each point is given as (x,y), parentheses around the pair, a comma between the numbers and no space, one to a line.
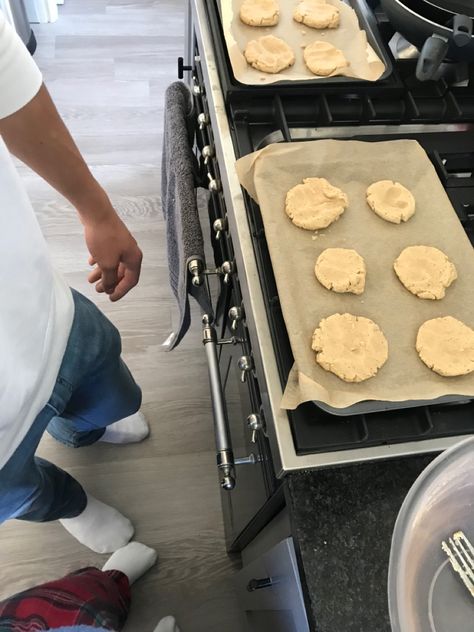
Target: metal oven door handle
(225,456)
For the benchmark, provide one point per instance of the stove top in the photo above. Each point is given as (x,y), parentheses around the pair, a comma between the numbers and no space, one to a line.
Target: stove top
(440,116)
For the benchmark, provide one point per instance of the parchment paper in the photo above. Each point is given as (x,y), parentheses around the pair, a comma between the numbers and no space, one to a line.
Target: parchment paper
(364,63)
(353,165)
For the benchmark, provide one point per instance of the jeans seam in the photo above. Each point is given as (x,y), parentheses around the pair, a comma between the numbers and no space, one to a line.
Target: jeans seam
(55,410)
(64,382)
(66,385)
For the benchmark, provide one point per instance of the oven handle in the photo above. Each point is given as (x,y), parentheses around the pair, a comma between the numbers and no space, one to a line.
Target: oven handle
(225,456)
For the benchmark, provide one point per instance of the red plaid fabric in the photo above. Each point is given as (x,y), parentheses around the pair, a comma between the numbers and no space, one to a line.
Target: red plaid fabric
(86,597)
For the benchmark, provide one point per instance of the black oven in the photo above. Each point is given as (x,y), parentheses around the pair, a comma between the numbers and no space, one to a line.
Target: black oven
(440,115)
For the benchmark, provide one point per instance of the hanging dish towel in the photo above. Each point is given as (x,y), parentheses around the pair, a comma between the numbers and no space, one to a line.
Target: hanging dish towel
(179,179)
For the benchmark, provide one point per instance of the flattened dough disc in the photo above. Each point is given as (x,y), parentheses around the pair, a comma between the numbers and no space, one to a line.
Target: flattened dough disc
(260,12)
(425,271)
(446,346)
(317,14)
(269,54)
(341,270)
(315,204)
(324,59)
(391,201)
(352,347)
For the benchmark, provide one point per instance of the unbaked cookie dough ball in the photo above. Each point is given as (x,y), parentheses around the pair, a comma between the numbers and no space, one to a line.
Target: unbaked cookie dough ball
(446,346)
(324,59)
(317,14)
(425,271)
(260,12)
(352,347)
(341,270)
(269,54)
(315,204)
(391,201)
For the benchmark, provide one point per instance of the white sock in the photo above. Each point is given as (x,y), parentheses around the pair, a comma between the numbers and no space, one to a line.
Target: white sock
(134,560)
(131,429)
(168,624)
(100,527)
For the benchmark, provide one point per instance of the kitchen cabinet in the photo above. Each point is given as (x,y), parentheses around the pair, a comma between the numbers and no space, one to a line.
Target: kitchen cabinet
(269,591)
(330,547)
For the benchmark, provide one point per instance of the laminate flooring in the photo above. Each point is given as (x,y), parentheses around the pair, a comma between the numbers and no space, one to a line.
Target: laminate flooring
(107,63)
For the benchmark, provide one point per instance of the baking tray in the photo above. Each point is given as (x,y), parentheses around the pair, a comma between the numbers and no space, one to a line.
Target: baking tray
(423,387)
(371,406)
(367,22)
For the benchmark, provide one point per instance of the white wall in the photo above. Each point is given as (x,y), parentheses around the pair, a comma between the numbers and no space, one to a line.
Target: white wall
(5,7)
(42,10)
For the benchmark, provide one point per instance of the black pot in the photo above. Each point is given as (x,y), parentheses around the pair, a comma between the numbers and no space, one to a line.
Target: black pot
(463,7)
(436,32)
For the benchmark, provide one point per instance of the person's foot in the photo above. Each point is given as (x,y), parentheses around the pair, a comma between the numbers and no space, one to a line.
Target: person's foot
(168,624)
(100,527)
(134,560)
(131,429)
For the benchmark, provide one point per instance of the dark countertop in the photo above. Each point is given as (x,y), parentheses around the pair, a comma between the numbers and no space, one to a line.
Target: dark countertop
(342,523)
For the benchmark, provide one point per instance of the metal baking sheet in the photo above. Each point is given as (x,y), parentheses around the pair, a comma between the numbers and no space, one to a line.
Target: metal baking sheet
(376,49)
(367,407)
(353,166)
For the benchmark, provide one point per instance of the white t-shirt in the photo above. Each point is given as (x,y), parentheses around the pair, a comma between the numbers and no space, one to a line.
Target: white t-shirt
(36,306)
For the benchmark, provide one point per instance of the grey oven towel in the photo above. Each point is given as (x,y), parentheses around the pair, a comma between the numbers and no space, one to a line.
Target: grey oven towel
(179,179)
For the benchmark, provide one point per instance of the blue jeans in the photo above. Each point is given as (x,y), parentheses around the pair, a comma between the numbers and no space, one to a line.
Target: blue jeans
(94,388)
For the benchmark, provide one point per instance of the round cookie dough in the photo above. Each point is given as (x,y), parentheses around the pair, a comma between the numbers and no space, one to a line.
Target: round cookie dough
(425,271)
(341,270)
(317,14)
(391,201)
(315,204)
(352,347)
(269,54)
(324,59)
(446,346)
(260,12)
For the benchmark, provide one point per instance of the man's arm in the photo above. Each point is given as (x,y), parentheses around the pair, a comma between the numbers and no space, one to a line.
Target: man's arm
(37,136)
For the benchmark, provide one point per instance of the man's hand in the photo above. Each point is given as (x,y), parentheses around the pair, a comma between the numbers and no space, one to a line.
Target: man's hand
(115,254)
(37,135)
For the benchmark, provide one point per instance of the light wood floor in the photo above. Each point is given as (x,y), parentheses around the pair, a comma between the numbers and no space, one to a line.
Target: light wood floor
(106,63)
